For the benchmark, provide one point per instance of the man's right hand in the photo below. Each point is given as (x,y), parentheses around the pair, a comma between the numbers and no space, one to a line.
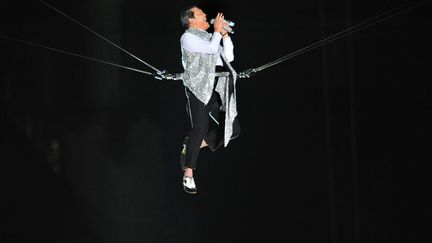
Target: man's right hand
(219,24)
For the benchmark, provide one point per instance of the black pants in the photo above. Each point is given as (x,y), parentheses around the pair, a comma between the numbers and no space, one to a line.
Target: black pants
(206,124)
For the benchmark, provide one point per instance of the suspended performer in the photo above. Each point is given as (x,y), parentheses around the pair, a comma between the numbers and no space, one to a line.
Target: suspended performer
(209,79)
(209,82)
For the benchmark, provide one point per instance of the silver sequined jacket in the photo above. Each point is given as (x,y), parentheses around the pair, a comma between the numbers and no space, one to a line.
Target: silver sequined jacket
(199,77)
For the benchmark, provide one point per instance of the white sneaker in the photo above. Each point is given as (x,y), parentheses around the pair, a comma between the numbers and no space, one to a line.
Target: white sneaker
(189,185)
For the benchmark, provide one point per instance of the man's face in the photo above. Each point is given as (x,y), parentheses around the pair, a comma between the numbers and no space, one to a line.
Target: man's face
(199,21)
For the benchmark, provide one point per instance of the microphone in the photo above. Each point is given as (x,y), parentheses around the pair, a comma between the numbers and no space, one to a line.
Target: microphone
(230,23)
(227,28)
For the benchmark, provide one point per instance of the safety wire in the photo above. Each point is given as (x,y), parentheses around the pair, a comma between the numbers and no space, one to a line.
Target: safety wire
(73,54)
(159,74)
(102,37)
(386,15)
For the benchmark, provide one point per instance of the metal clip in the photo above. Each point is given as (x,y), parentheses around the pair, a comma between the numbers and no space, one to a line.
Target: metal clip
(168,76)
(247,73)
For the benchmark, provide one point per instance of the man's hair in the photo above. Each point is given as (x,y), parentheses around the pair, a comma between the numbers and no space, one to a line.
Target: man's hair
(185,15)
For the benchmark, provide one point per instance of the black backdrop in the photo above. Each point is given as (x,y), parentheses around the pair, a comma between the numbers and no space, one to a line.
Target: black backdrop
(334,144)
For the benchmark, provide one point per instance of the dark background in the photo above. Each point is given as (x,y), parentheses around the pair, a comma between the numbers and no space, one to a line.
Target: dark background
(334,147)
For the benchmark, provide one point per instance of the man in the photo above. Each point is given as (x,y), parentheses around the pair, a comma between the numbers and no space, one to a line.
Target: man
(210,93)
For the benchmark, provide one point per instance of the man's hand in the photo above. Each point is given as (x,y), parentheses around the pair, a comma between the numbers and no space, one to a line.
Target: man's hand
(219,24)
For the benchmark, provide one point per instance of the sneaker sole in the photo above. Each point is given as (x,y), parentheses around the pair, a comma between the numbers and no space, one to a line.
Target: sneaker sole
(190,192)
